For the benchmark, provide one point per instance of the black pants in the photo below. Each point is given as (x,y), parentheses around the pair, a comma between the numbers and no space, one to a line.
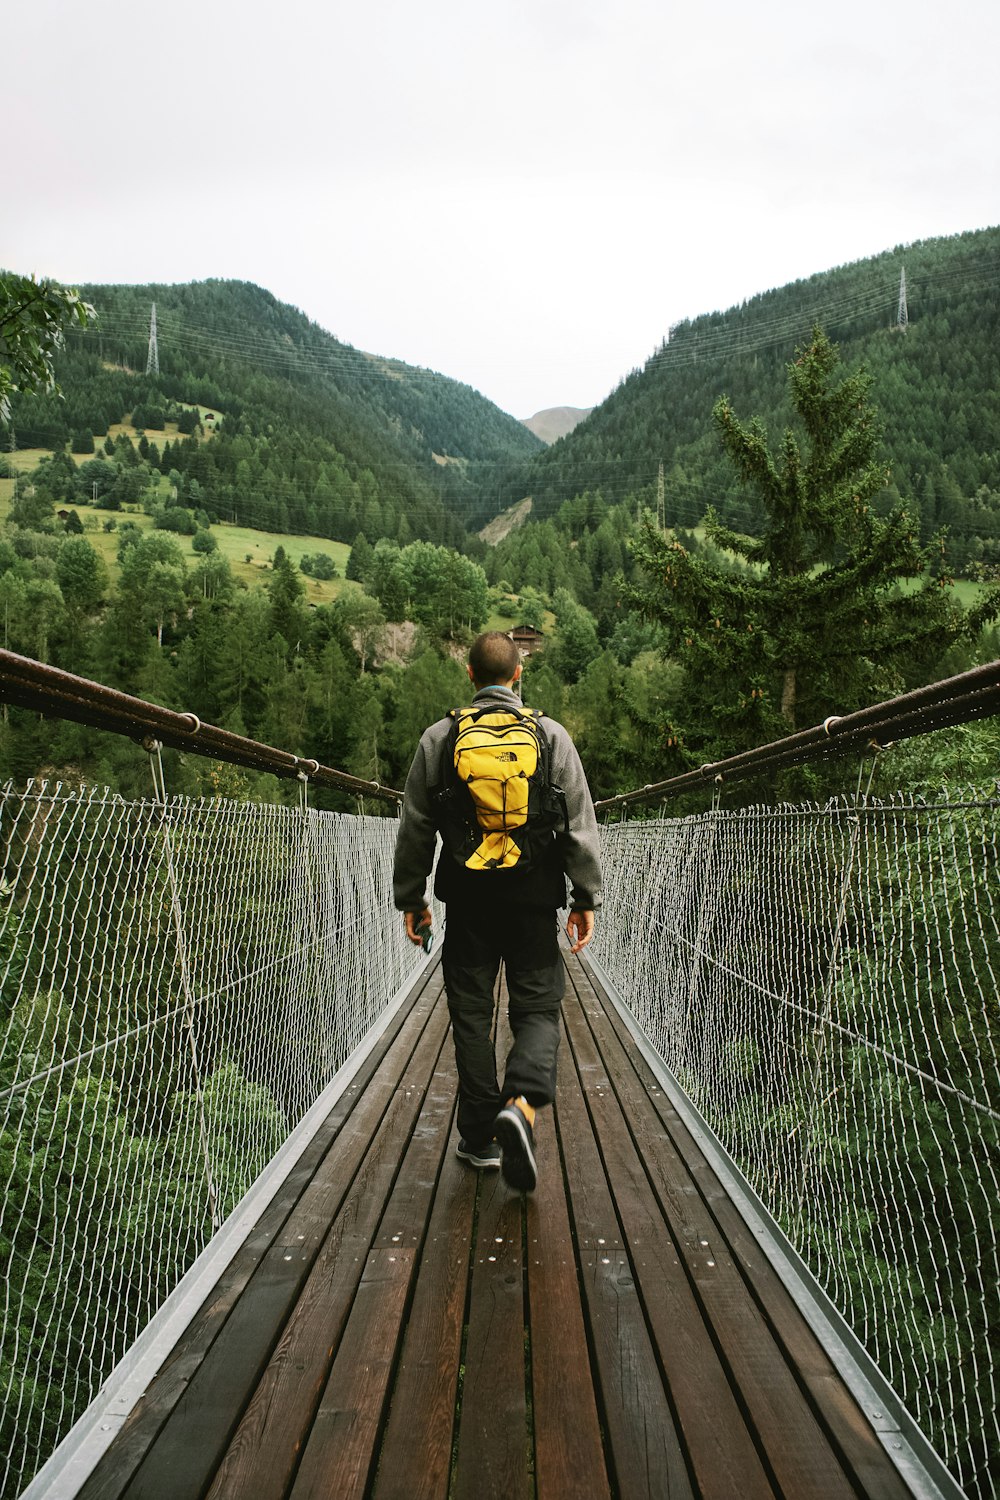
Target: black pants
(476,940)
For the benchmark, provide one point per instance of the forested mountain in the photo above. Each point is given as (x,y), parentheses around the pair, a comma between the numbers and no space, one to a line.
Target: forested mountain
(318,437)
(258,416)
(935,385)
(310,434)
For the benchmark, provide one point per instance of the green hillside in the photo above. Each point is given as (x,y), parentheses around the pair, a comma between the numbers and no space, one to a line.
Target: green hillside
(310,434)
(935,386)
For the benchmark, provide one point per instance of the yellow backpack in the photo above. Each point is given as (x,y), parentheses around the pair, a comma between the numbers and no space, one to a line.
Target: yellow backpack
(498,806)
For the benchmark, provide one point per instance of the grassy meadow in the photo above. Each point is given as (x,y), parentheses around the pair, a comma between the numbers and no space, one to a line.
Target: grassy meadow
(247,551)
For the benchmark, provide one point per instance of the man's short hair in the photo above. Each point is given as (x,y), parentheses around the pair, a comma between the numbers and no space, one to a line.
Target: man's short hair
(493,658)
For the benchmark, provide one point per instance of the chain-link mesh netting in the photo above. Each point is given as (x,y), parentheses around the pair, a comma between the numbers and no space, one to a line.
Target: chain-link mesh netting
(180,979)
(823,983)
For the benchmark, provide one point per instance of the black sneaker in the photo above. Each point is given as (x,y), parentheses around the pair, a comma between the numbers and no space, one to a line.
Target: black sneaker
(517,1140)
(487,1157)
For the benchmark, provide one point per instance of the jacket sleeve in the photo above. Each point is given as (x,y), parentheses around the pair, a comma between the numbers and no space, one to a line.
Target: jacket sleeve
(416,839)
(580,845)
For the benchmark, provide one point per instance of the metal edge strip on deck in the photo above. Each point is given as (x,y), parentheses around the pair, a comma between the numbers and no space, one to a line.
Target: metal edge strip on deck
(909,1450)
(76,1457)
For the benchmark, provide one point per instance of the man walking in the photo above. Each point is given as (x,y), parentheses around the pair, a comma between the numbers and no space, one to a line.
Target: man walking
(509,846)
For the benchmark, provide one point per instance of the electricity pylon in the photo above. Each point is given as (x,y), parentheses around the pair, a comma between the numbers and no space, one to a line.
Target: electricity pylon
(153,354)
(901,316)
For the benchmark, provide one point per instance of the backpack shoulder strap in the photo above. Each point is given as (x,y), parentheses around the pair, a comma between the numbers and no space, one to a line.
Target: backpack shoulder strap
(446,779)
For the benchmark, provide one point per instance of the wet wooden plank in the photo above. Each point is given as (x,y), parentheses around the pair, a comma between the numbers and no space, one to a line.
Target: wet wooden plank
(493,1452)
(493,1440)
(569,1455)
(416,1456)
(265,1451)
(643,1445)
(692,1195)
(190,1448)
(720,1449)
(147,1419)
(418,1447)
(340,1452)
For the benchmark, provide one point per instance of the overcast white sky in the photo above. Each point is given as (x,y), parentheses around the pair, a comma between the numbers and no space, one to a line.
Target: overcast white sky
(522,195)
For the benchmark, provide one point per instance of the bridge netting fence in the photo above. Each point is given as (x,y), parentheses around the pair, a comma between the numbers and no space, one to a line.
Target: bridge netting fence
(180,980)
(823,983)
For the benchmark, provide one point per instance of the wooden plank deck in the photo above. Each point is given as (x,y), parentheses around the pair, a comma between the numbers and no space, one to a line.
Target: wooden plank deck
(399,1325)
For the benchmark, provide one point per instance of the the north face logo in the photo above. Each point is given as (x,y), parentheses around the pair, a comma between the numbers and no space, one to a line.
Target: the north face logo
(506,755)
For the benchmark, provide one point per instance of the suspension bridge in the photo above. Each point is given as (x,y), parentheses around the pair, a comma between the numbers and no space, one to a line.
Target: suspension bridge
(241,1257)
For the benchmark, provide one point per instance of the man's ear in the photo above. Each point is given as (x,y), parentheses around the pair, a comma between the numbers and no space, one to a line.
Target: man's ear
(517,672)
(471,678)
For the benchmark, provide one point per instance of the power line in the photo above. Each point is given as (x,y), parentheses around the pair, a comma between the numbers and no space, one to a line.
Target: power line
(694,344)
(739,330)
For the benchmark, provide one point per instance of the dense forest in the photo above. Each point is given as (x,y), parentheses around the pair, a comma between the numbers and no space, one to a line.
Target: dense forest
(120,488)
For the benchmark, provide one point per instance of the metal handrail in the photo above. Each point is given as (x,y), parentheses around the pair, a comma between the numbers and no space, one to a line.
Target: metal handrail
(51,691)
(955,700)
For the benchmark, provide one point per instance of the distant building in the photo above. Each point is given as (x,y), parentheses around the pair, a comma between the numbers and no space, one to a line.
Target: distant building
(527,639)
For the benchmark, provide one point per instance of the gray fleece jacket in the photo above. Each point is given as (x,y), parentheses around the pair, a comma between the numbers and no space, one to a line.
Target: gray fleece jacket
(578,847)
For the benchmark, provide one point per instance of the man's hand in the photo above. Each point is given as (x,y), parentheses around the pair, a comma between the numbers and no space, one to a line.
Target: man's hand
(415,919)
(580,929)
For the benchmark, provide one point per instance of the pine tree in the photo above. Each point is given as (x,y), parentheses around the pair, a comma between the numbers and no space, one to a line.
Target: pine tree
(806,619)
(360,562)
(286,589)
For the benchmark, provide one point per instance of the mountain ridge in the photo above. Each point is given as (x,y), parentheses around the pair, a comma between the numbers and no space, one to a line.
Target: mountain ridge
(554,422)
(934,384)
